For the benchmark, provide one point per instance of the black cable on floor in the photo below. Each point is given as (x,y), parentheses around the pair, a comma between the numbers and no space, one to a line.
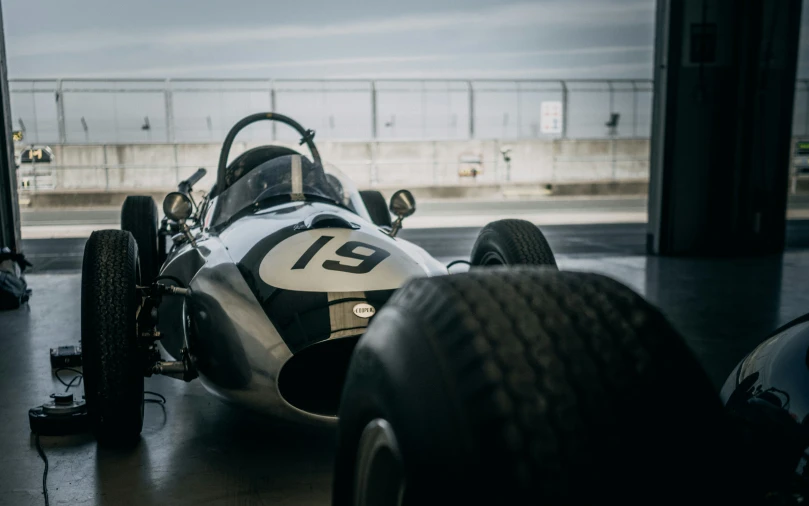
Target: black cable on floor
(44,474)
(456,262)
(74,381)
(161,400)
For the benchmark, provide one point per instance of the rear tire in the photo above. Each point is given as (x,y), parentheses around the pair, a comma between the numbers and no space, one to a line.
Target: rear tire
(518,386)
(512,242)
(377,207)
(112,359)
(139,217)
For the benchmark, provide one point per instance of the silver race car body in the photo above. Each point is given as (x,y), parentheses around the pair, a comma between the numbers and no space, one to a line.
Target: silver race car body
(285,269)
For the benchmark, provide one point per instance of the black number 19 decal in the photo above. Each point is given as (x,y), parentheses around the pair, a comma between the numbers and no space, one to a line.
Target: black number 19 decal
(347,250)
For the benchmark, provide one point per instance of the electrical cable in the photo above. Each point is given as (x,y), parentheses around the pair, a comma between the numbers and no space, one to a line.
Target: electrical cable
(45,473)
(161,400)
(170,278)
(76,381)
(456,262)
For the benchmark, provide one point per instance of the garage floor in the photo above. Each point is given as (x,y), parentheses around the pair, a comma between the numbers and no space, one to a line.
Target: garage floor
(200,451)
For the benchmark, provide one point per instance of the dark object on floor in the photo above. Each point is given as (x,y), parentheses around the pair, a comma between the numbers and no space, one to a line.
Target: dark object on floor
(14,290)
(62,416)
(65,356)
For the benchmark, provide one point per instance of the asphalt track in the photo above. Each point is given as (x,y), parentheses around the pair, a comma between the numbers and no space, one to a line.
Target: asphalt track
(446,244)
(441,209)
(53,239)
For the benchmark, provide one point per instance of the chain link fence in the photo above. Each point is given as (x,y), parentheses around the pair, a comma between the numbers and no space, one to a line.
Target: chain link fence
(105,111)
(106,121)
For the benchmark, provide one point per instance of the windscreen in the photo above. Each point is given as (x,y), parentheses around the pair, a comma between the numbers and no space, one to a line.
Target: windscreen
(290,178)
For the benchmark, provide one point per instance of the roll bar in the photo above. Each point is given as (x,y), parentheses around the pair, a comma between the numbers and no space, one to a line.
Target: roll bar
(307,137)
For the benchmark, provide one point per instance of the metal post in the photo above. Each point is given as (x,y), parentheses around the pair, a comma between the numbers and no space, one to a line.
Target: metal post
(169,112)
(471,110)
(34,109)
(564,109)
(60,112)
(634,109)
(273,108)
(177,165)
(613,130)
(423,112)
(519,113)
(374,131)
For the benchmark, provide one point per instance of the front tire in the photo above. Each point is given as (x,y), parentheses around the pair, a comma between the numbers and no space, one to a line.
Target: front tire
(526,386)
(112,360)
(512,242)
(139,217)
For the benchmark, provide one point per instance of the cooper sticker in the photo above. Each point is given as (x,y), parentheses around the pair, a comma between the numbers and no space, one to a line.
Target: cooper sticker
(364,310)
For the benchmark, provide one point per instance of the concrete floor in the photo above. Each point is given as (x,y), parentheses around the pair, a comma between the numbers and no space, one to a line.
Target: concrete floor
(203,452)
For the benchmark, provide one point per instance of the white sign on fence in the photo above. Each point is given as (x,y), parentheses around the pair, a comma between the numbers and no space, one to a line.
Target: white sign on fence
(552,119)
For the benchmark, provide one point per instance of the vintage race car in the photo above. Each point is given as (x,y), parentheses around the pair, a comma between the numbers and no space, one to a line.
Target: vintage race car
(261,290)
(287,291)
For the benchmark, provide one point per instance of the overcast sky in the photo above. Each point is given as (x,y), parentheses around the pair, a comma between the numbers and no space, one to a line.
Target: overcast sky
(331,38)
(328,38)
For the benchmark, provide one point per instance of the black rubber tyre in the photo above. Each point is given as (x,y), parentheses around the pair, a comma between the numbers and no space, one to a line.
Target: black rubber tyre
(112,360)
(529,386)
(377,207)
(139,217)
(512,242)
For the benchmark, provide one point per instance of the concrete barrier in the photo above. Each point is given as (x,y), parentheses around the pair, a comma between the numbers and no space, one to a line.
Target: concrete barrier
(505,191)
(370,164)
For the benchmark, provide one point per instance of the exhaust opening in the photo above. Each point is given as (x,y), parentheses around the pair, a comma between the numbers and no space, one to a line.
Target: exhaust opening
(312,380)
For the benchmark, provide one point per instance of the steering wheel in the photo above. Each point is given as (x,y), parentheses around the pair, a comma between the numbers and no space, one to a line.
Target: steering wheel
(307,137)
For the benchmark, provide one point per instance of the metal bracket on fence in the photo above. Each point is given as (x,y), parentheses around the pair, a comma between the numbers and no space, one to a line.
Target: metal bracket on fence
(171,87)
(471,109)
(60,112)
(169,112)
(564,109)
(273,108)
(374,130)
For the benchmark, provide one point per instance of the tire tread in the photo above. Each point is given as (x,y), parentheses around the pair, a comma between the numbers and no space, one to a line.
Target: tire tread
(111,356)
(520,242)
(549,368)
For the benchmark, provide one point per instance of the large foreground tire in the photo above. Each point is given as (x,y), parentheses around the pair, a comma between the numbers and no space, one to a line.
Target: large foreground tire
(377,207)
(139,217)
(111,358)
(525,386)
(512,242)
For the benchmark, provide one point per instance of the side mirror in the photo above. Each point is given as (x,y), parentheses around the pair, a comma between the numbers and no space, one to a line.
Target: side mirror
(402,205)
(177,206)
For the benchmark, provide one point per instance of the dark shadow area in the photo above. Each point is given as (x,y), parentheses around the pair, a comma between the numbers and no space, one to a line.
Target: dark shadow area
(312,380)
(723,307)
